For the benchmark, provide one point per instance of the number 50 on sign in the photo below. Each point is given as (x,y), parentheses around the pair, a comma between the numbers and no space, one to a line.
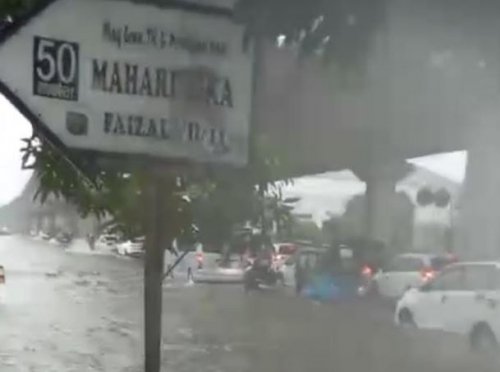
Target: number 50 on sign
(55,68)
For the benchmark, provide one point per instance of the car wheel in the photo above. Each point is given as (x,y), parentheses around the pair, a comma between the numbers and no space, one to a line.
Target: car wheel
(405,318)
(483,340)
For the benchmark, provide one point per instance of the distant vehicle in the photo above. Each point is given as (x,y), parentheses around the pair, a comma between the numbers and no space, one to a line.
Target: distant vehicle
(215,270)
(106,242)
(199,255)
(283,251)
(64,238)
(133,247)
(303,261)
(262,273)
(405,271)
(45,236)
(326,273)
(464,298)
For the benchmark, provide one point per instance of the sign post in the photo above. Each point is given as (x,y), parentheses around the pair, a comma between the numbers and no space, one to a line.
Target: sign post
(126,79)
(153,278)
(134,83)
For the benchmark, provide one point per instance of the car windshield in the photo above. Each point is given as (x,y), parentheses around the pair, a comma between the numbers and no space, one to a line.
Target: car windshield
(438,263)
(406,264)
(235,185)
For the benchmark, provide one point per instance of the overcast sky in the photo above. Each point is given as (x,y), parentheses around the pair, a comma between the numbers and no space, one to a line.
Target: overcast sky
(334,190)
(451,165)
(13,127)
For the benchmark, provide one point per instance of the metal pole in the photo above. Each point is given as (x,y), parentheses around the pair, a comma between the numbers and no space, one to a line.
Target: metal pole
(177,261)
(153,277)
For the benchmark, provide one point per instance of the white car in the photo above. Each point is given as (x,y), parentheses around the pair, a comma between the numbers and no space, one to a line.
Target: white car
(406,271)
(132,248)
(106,242)
(203,267)
(220,272)
(464,298)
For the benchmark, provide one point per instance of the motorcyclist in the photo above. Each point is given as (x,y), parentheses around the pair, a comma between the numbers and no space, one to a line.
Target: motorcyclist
(263,261)
(261,269)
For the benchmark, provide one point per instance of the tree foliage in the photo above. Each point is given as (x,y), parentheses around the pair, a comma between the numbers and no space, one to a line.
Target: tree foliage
(9,7)
(231,198)
(223,203)
(120,196)
(307,230)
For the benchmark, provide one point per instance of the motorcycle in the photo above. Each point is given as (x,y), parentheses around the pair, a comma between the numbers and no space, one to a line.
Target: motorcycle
(261,274)
(367,286)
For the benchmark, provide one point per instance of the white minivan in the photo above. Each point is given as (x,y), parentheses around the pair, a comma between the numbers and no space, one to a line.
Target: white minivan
(464,298)
(408,270)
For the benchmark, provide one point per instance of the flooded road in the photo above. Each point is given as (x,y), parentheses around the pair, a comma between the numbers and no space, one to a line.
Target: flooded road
(79,312)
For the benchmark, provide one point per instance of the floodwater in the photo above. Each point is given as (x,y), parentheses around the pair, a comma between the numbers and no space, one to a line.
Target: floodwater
(74,311)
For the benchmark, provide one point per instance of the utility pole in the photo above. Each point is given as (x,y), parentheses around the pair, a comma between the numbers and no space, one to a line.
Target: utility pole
(153,275)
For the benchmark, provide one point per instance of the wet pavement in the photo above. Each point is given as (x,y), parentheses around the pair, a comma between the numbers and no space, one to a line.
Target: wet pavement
(79,312)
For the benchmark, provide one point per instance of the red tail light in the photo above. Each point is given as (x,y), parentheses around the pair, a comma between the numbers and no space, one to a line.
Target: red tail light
(427,273)
(277,258)
(366,271)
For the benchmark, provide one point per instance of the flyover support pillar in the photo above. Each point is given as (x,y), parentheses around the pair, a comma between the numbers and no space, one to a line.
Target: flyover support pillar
(479,215)
(381,200)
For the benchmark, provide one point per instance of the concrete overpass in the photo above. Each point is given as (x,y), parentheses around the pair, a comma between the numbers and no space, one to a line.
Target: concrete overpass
(431,84)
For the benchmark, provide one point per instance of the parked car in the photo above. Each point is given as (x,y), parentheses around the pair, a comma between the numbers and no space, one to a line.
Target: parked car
(133,247)
(464,298)
(106,242)
(405,271)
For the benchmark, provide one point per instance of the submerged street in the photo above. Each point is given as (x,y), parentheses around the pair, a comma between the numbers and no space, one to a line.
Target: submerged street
(73,311)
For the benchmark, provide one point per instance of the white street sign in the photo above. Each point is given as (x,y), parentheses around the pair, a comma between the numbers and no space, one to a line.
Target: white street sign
(126,78)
